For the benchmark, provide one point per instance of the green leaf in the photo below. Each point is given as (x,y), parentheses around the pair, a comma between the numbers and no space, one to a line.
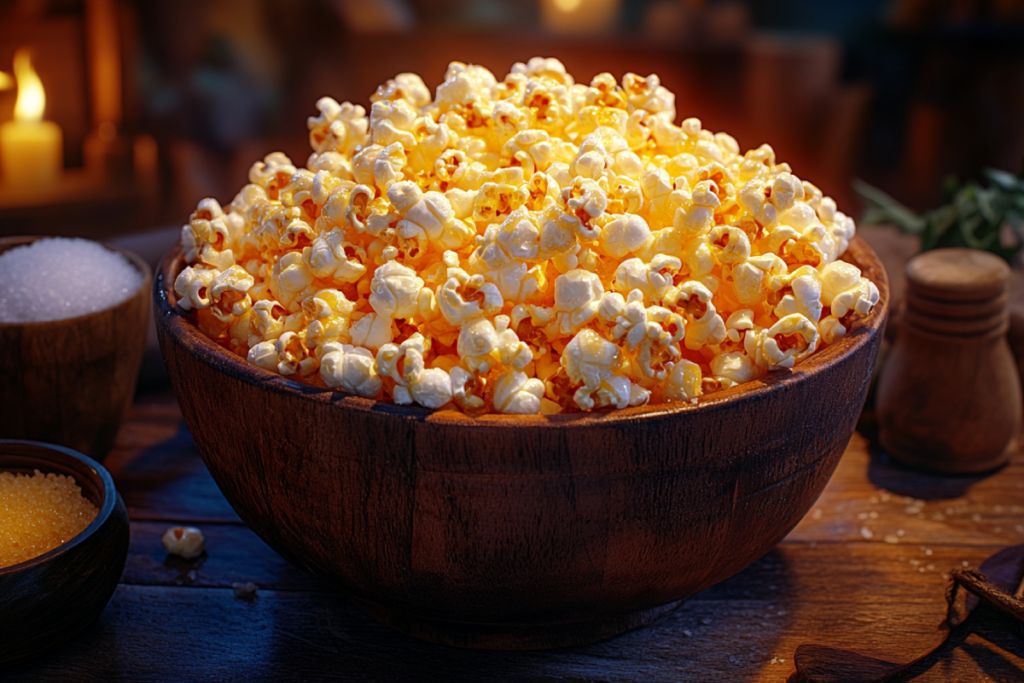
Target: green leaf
(883,208)
(985,200)
(1003,180)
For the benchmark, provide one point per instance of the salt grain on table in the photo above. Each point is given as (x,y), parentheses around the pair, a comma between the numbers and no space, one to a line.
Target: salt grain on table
(58,278)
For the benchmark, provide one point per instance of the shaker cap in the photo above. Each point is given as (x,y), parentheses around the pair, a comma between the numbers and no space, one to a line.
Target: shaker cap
(958,275)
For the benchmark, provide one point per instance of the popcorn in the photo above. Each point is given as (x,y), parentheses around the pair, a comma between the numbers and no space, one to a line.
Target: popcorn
(515,392)
(286,355)
(394,290)
(184,541)
(352,368)
(577,297)
(529,245)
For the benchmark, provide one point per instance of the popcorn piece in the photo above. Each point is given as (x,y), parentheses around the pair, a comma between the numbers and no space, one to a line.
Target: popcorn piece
(193,287)
(589,360)
(286,355)
(704,326)
(577,298)
(516,393)
(352,368)
(684,384)
(785,343)
(229,293)
(330,257)
(184,541)
(463,297)
(329,313)
(394,291)
(624,235)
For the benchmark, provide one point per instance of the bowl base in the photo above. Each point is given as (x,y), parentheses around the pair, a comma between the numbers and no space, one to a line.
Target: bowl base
(515,636)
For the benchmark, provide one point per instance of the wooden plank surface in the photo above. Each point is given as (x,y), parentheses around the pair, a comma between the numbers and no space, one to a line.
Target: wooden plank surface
(864,570)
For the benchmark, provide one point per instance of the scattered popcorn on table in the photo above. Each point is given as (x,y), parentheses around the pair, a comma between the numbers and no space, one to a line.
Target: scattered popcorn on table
(530,245)
(184,541)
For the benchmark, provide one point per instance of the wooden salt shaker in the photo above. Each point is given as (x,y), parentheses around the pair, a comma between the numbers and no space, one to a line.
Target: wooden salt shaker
(949,398)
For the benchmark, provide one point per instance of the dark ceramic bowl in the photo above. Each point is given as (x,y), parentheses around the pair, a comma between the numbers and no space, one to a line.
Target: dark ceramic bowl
(517,532)
(49,599)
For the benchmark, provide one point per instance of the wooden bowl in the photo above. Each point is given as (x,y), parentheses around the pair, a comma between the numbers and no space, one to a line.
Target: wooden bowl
(49,599)
(518,532)
(70,381)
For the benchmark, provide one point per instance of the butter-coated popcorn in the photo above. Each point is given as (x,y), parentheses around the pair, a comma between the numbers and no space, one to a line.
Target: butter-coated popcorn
(524,245)
(352,368)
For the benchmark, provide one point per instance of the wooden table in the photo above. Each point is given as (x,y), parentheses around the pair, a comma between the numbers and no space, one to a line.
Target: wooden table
(864,570)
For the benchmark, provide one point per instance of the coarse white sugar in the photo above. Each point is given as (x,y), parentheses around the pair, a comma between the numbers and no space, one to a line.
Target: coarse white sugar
(57,278)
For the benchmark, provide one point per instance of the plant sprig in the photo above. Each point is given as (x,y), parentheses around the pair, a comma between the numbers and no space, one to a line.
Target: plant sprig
(987,218)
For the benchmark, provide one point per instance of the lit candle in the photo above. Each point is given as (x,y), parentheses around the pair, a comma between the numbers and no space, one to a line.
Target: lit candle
(31,150)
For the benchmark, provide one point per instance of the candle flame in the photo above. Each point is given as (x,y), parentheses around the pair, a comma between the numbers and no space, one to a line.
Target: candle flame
(568,5)
(31,98)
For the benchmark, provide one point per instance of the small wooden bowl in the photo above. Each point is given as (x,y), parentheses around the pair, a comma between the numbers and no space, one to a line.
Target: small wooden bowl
(49,599)
(70,381)
(518,532)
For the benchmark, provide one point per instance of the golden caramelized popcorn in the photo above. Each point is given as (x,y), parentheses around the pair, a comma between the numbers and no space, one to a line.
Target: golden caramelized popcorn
(529,245)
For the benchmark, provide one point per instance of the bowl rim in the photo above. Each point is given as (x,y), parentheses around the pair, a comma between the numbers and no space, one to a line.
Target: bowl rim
(102,515)
(173,321)
(14,241)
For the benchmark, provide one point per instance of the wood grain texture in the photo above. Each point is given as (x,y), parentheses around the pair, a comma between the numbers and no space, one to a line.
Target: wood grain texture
(70,381)
(518,531)
(824,583)
(49,599)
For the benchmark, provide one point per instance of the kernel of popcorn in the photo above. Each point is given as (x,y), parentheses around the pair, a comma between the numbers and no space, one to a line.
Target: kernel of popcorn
(463,297)
(423,214)
(613,392)
(750,277)
(785,343)
(193,287)
(684,382)
(432,389)
(229,293)
(292,280)
(340,127)
(831,329)
(738,323)
(329,313)
(624,235)
(392,121)
(330,257)
(860,299)
(403,362)
(207,237)
(515,393)
(478,340)
(273,173)
(700,216)
(836,278)
(352,368)
(704,326)
(590,360)
(577,298)
(394,290)
(286,355)
(652,279)
(734,366)
(371,331)
(184,541)
(803,294)
(729,245)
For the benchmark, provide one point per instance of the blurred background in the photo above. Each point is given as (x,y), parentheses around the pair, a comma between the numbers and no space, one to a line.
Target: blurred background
(158,103)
